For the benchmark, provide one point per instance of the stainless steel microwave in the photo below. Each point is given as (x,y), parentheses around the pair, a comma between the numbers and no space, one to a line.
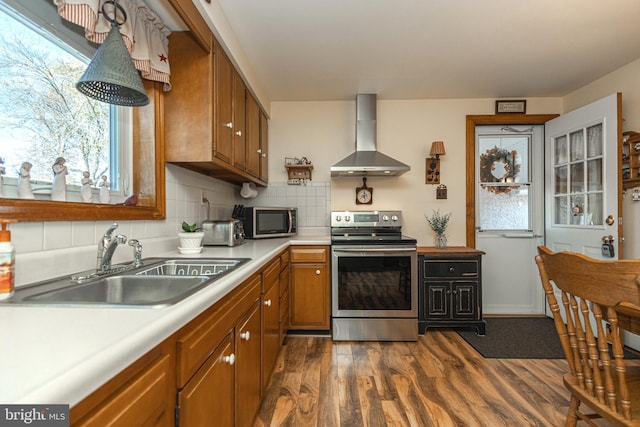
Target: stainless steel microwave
(264,222)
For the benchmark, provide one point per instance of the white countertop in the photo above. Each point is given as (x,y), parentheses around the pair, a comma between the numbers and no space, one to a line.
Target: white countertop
(62,354)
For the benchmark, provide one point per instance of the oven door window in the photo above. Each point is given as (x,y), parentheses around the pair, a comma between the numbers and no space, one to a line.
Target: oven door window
(374,283)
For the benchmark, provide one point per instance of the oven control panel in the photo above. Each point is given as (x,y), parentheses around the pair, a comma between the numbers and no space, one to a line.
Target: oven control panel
(366,219)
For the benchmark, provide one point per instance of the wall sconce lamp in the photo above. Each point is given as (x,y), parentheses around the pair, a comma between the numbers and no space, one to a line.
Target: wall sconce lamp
(433,163)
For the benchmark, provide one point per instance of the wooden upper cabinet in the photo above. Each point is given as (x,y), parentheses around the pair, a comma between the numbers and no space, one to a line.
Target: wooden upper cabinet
(206,114)
(253,137)
(223,98)
(239,122)
(264,147)
(188,106)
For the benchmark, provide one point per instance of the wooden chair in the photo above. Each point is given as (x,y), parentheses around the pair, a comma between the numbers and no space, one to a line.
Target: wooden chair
(599,299)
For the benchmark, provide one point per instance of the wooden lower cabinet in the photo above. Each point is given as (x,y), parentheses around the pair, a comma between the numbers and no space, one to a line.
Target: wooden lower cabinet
(310,288)
(270,318)
(141,400)
(226,390)
(209,398)
(248,365)
(285,272)
(211,372)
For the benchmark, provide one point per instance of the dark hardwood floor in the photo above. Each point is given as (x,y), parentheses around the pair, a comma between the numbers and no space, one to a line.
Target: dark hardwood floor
(437,381)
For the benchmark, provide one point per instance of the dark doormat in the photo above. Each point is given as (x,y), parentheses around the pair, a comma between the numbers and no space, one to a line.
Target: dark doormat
(519,338)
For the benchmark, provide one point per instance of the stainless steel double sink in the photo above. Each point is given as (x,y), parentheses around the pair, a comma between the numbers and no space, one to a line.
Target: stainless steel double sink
(159,283)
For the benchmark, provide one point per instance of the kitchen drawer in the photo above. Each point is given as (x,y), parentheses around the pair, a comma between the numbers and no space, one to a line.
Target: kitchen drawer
(284,259)
(309,254)
(450,268)
(270,275)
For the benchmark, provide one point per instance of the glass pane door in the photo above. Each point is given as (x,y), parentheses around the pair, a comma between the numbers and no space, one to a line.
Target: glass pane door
(578,177)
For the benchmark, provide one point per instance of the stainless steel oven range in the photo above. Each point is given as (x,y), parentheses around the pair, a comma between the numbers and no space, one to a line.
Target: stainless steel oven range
(373,277)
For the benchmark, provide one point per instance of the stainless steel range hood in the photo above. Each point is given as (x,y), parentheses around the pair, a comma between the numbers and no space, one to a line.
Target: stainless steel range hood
(367,161)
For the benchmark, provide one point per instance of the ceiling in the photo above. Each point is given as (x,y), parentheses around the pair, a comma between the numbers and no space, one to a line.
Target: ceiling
(413,49)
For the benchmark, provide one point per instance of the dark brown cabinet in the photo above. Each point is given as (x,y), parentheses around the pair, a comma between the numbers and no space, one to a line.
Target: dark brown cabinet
(450,288)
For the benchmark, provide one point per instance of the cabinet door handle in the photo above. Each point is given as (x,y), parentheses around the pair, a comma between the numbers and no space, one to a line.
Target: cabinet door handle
(317,272)
(452,269)
(229,125)
(268,303)
(259,151)
(231,359)
(448,292)
(245,335)
(239,133)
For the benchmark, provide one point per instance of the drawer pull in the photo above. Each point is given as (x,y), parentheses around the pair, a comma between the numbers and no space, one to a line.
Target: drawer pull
(245,335)
(231,359)
(268,303)
(452,269)
(469,274)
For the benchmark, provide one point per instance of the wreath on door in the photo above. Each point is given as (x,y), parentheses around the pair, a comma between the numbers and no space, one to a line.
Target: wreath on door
(499,165)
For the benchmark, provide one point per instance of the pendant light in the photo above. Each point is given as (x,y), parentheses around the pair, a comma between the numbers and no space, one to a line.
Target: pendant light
(111,76)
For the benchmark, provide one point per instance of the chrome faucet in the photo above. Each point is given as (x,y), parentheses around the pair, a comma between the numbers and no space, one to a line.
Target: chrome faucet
(106,248)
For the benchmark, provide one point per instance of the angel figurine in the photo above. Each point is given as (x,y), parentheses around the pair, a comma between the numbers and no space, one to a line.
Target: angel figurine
(105,190)
(59,185)
(85,191)
(24,181)
(3,171)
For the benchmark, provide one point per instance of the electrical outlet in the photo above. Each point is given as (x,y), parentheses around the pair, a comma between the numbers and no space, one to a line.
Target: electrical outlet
(202,197)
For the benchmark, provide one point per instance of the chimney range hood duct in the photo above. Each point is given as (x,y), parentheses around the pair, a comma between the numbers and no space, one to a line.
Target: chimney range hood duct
(366,161)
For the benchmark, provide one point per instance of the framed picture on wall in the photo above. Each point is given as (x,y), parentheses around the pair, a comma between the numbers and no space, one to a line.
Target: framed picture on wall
(511,106)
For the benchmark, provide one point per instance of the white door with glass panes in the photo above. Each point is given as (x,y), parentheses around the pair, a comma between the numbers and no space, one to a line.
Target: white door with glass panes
(583,179)
(509,216)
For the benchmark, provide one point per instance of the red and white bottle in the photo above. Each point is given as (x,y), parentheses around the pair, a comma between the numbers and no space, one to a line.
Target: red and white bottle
(7,261)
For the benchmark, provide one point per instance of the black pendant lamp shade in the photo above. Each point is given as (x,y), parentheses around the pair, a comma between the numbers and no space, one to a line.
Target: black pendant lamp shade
(111,76)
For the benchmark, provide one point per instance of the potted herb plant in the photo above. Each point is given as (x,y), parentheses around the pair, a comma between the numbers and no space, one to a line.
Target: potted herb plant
(190,239)
(438,224)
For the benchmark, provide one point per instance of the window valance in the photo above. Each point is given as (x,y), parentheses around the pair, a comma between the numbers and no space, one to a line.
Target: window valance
(144,33)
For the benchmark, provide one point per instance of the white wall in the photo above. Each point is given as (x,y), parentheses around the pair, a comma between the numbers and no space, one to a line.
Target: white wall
(324,132)
(625,80)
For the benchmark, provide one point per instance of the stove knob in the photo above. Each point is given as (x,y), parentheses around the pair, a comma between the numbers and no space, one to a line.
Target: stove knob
(394,217)
(338,218)
(385,218)
(347,218)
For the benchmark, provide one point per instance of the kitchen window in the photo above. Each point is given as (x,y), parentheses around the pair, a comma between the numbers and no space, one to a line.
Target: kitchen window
(43,116)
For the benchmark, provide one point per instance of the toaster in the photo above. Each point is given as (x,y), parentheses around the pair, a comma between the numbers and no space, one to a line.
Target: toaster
(228,232)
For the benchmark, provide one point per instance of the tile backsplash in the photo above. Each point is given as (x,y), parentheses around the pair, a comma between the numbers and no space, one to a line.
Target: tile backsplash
(64,247)
(312,200)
